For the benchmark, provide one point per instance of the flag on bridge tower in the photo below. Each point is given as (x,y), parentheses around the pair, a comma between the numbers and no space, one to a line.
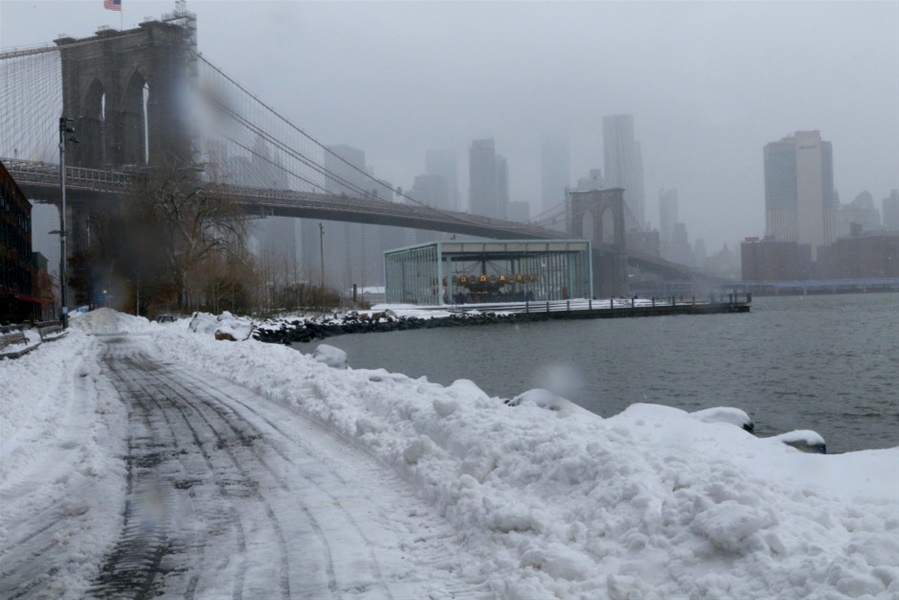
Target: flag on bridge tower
(112,5)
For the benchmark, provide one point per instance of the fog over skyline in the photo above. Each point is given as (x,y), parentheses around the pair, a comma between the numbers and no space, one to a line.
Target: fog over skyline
(708,84)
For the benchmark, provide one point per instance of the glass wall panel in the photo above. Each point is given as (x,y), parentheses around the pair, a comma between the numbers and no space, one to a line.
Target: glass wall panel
(481,272)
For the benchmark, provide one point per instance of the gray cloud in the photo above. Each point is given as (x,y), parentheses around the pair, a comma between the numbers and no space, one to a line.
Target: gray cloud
(708,84)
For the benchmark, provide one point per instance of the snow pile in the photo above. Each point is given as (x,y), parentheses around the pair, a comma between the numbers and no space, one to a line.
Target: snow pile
(32,341)
(331,356)
(203,323)
(725,414)
(105,321)
(61,438)
(556,502)
(804,439)
(223,327)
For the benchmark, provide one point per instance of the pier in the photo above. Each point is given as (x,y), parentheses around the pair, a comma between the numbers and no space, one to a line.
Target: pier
(403,317)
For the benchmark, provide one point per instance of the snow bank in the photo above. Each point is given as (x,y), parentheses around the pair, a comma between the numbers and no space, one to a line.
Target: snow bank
(331,356)
(105,321)
(32,341)
(222,327)
(725,414)
(62,431)
(803,439)
(557,503)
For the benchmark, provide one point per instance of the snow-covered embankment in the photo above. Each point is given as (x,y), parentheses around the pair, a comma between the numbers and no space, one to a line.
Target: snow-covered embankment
(651,503)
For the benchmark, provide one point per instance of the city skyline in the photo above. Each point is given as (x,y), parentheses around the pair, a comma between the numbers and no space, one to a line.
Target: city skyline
(705,97)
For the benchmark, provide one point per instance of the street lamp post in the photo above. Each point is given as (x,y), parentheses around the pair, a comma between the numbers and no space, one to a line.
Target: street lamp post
(321,249)
(63,130)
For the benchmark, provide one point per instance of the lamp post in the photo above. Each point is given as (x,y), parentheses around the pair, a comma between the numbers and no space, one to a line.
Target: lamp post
(63,130)
(321,249)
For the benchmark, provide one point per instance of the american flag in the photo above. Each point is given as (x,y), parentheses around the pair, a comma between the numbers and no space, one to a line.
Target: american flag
(112,5)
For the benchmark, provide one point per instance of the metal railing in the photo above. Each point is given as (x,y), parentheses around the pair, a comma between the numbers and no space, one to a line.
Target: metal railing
(100,180)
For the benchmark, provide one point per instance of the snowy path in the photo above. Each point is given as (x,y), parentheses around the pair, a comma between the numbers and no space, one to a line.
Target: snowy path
(140,460)
(231,496)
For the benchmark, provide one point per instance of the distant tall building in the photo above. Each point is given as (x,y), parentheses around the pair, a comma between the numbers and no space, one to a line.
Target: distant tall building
(667,214)
(443,163)
(624,166)
(859,215)
(520,211)
(700,254)
(488,180)
(680,249)
(502,186)
(277,236)
(890,210)
(347,175)
(555,172)
(346,166)
(799,194)
(431,190)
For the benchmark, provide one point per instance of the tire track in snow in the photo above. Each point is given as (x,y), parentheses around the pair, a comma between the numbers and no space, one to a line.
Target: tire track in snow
(225,454)
(374,563)
(135,561)
(148,547)
(140,370)
(441,558)
(223,444)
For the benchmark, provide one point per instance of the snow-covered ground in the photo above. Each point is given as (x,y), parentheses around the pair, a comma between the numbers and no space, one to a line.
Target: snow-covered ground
(537,498)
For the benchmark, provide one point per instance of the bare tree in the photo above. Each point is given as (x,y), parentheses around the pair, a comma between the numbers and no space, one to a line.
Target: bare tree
(187,225)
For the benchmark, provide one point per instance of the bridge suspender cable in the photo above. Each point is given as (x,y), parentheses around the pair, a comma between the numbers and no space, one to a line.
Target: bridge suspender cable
(322,169)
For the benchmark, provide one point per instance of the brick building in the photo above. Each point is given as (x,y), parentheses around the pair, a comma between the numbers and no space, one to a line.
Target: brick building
(872,255)
(774,260)
(18,270)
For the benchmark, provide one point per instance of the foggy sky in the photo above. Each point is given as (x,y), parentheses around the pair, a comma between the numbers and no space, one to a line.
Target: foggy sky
(708,84)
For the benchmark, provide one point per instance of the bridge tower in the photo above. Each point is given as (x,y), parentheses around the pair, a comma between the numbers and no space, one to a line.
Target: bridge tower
(599,216)
(125,91)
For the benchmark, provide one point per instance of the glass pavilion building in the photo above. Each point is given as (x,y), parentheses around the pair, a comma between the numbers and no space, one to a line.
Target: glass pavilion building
(488,271)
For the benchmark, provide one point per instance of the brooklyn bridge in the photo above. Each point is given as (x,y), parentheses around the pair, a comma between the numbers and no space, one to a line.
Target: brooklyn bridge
(146,98)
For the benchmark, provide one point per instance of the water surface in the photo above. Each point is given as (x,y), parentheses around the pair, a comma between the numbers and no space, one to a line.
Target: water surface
(828,363)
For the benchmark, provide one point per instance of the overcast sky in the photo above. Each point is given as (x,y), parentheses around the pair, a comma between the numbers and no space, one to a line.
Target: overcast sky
(708,84)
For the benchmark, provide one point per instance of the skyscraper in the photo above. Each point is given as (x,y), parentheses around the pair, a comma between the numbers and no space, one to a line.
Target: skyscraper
(799,195)
(859,215)
(431,190)
(555,172)
(890,209)
(488,180)
(623,159)
(667,215)
(345,166)
(443,163)
(502,186)
(277,236)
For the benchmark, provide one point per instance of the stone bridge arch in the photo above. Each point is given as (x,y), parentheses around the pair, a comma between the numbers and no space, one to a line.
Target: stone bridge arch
(124,90)
(609,255)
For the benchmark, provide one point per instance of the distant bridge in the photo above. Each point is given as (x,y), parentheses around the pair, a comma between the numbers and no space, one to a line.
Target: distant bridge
(40,182)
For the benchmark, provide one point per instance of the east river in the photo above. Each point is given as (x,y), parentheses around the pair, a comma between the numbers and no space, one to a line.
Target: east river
(829,363)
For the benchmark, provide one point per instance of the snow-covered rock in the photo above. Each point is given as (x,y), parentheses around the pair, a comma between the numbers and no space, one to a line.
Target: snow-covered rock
(725,414)
(331,356)
(803,439)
